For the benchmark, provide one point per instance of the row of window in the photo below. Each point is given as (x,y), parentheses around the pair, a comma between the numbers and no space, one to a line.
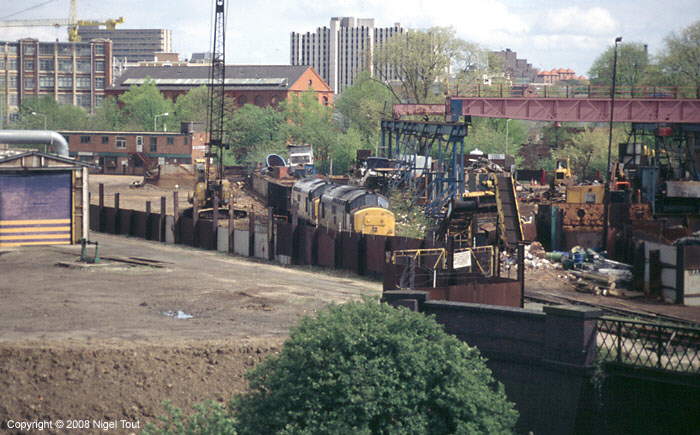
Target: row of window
(61,49)
(120,141)
(82,100)
(64,65)
(49,82)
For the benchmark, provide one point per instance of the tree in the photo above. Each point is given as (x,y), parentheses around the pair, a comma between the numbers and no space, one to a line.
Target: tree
(142,103)
(680,59)
(193,105)
(34,111)
(632,62)
(489,135)
(364,367)
(588,151)
(422,61)
(108,116)
(362,107)
(254,132)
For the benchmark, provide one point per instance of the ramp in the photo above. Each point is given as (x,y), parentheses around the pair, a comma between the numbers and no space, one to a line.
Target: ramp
(511,231)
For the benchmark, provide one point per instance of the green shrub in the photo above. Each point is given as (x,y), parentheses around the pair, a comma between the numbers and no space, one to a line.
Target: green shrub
(364,367)
(210,418)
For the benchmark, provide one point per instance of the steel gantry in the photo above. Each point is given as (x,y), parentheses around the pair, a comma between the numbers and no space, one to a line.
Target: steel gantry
(431,150)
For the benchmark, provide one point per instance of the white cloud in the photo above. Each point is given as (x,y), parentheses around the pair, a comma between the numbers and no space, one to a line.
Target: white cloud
(576,20)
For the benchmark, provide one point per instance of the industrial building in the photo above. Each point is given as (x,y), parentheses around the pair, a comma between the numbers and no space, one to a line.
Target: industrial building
(262,85)
(133,152)
(342,50)
(71,72)
(131,44)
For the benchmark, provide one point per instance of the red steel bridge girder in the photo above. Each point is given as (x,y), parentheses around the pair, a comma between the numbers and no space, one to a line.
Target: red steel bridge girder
(563,109)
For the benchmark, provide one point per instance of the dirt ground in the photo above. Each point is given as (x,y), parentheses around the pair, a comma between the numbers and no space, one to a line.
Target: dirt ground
(134,198)
(100,341)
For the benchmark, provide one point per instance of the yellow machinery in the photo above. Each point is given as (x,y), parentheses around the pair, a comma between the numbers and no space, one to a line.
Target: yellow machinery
(562,173)
(73,23)
(591,194)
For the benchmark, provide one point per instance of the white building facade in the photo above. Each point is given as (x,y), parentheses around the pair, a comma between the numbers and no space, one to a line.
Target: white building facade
(342,50)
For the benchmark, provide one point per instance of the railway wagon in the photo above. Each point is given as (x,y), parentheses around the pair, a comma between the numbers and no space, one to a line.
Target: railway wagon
(306,196)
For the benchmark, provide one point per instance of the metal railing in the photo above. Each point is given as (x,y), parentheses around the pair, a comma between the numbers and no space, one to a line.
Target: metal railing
(575,91)
(645,344)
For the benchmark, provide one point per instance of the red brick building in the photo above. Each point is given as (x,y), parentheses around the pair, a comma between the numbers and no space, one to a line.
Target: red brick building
(262,85)
(126,152)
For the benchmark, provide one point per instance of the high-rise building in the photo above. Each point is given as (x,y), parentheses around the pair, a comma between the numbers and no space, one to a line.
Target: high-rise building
(342,50)
(519,71)
(71,72)
(133,44)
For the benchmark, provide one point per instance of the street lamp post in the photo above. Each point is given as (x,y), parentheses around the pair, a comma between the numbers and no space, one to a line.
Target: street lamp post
(155,119)
(606,208)
(41,114)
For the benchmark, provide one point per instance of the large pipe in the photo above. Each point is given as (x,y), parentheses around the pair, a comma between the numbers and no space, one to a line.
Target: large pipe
(32,137)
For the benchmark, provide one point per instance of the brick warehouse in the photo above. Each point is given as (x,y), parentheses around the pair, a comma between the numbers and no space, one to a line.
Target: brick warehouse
(125,152)
(262,85)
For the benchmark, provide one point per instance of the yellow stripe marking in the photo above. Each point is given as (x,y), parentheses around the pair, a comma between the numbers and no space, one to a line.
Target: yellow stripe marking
(33,229)
(36,222)
(37,236)
(5,244)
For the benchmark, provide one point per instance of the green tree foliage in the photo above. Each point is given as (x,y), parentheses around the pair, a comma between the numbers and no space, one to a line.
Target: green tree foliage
(489,135)
(422,58)
(254,132)
(632,62)
(364,367)
(588,151)
(362,107)
(108,116)
(193,105)
(58,116)
(680,59)
(142,103)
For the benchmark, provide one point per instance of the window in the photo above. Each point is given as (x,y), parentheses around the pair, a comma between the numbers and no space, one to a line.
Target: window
(83,50)
(154,140)
(259,100)
(12,64)
(171,140)
(84,139)
(65,50)
(29,49)
(29,83)
(139,140)
(46,64)
(154,147)
(99,82)
(13,99)
(105,139)
(2,63)
(65,82)
(120,142)
(2,84)
(46,82)
(187,140)
(99,49)
(99,99)
(12,49)
(65,65)
(242,100)
(46,49)
(99,66)
(82,66)
(65,99)
(84,100)
(83,82)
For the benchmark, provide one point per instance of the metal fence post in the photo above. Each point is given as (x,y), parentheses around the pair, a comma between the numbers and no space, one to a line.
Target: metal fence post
(619,341)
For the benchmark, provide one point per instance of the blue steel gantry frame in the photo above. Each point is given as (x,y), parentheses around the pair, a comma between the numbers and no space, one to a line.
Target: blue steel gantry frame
(442,142)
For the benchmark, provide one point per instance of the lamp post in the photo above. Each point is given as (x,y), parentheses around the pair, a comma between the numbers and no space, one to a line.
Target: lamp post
(41,114)
(606,206)
(155,119)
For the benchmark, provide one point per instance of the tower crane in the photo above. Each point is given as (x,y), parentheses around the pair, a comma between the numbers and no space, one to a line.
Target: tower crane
(72,22)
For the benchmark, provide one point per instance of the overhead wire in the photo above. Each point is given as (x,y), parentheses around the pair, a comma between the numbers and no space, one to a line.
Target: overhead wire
(27,9)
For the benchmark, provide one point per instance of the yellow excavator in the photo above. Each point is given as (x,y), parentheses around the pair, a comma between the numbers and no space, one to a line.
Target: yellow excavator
(562,172)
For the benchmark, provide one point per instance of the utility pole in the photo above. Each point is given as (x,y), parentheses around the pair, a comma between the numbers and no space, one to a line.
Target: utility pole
(606,205)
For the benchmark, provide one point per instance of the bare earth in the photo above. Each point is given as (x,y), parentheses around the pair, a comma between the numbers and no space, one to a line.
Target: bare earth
(91,342)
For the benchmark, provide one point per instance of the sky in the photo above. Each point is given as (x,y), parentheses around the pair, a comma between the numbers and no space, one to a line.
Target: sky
(549,34)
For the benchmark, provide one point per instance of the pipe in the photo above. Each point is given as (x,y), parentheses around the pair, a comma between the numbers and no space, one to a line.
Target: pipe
(32,137)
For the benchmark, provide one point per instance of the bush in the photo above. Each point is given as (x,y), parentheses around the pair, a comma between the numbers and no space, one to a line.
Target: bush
(364,367)
(210,418)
